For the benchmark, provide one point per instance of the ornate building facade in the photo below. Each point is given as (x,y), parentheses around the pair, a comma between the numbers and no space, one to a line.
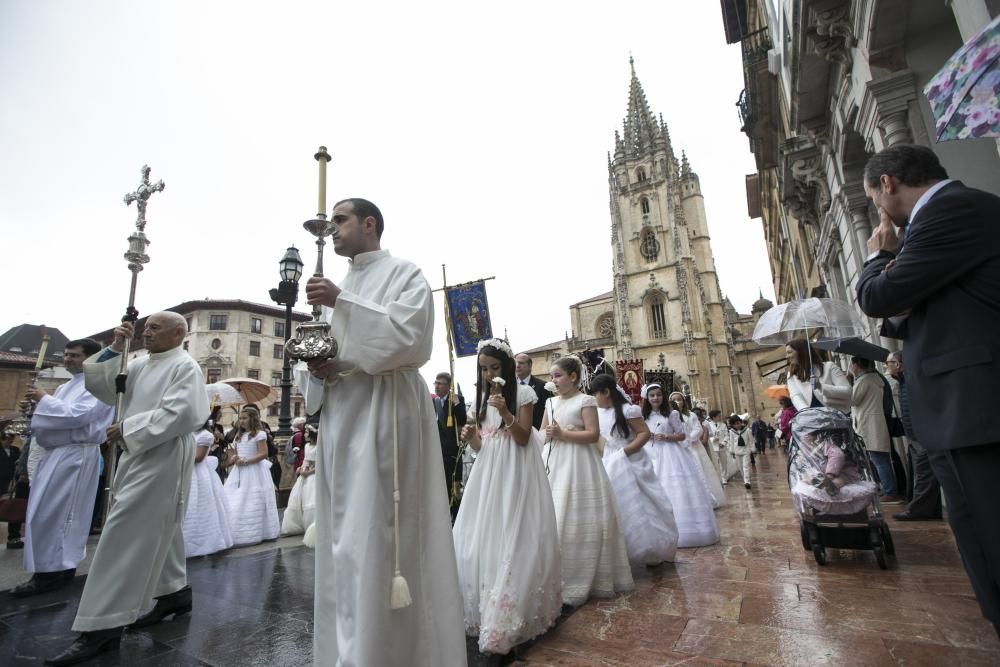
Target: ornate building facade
(829,83)
(665,306)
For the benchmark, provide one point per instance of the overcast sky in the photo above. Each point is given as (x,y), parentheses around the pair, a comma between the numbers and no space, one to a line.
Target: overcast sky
(481,131)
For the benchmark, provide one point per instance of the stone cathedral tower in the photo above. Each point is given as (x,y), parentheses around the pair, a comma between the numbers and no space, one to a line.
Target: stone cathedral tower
(665,306)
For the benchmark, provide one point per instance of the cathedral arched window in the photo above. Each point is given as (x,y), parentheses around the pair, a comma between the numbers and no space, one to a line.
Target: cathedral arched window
(640,174)
(644,205)
(656,311)
(650,247)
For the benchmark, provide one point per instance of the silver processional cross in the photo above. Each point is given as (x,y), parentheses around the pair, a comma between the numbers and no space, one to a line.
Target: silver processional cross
(142,195)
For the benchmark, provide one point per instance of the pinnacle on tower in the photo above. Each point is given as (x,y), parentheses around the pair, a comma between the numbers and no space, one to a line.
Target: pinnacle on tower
(641,129)
(685,165)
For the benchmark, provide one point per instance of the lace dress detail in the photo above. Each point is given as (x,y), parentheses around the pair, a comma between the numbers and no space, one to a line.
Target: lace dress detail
(253,508)
(647,518)
(206,524)
(594,558)
(506,541)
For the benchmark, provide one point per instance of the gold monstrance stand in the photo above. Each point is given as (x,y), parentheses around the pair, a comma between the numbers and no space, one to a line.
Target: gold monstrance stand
(312,339)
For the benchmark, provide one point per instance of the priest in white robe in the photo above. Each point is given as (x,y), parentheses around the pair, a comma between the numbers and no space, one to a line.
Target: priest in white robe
(141,551)
(70,426)
(382,315)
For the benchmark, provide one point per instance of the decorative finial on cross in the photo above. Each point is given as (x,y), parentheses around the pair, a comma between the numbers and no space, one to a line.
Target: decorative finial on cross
(142,195)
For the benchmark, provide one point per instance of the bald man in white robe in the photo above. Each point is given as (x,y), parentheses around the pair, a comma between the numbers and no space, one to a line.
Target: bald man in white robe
(141,551)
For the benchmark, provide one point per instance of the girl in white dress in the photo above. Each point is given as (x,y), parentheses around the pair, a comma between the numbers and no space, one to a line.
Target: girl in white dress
(301,509)
(594,558)
(206,522)
(506,541)
(708,466)
(679,471)
(253,509)
(647,518)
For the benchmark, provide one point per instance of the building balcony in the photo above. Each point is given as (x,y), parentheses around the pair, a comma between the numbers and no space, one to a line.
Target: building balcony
(758,103)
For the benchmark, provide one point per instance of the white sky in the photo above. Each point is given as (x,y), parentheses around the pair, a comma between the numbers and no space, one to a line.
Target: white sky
(481,132)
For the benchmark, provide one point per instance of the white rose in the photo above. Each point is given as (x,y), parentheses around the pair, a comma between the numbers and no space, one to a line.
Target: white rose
(499,381)
(550,387)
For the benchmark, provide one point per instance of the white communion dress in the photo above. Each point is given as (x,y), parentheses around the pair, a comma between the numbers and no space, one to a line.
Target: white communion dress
(682,478)
(206,520)
(708,469)
(301,509)
(253,509)
(647,518)
(506,540)
(594,558)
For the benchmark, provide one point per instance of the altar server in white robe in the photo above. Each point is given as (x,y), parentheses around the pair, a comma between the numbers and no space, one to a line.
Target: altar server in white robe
(141,551)
(69,425)
(369,550)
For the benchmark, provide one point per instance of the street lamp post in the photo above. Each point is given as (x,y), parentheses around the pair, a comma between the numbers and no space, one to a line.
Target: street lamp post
(290,270)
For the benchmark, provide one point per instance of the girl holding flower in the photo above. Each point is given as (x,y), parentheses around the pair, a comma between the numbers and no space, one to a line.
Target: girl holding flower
(506,542)
(594,558)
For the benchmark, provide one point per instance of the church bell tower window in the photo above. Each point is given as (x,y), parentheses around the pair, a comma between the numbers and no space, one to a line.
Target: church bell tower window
(640,174)
(644,205)
(650,247)
(657,317)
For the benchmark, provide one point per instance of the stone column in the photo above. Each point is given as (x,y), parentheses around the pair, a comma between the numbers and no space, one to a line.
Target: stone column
(885,107)
(856,204)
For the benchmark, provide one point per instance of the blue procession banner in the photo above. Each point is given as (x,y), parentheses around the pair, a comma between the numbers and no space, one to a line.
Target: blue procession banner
(470,316)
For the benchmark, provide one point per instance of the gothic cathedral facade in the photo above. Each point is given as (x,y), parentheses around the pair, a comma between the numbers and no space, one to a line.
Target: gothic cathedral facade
(665,307)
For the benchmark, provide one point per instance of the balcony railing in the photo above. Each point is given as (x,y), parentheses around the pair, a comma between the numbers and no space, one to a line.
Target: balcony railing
(745,110)
(755,46)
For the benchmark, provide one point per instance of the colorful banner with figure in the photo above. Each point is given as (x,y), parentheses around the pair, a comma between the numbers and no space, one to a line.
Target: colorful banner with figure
(470,317)
(630,378)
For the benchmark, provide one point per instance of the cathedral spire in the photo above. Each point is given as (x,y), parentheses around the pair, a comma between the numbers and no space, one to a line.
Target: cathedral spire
(641,128)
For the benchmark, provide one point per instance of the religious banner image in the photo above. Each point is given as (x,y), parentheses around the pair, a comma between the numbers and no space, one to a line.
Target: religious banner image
(470,316)
(630,378)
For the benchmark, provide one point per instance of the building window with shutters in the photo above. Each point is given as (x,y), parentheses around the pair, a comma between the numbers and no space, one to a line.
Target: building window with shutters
(255,348)
(255,325)
(279,351)
(218,322)
(279,328)
(253,373)
(214,375)
(275,379)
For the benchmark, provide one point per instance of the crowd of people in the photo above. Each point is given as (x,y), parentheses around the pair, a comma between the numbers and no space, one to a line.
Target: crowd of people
(564,498)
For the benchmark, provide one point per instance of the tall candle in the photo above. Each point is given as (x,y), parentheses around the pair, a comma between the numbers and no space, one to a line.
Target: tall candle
(322,157)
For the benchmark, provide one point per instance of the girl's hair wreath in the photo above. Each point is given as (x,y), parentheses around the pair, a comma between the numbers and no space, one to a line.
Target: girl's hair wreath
(498,343)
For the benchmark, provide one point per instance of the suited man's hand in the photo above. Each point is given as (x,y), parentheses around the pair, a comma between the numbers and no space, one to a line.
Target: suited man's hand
(885,236)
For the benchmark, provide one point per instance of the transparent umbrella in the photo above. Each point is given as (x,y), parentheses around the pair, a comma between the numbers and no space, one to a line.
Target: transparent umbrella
(835,320)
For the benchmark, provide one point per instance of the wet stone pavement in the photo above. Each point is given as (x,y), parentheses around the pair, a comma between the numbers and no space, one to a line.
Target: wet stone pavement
(757,598)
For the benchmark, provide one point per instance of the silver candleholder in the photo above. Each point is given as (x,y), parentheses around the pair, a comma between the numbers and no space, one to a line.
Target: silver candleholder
(312,339)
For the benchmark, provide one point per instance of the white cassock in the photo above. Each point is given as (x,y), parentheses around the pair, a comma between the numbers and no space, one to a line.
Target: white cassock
(384,322)
(70,426)
(141,551)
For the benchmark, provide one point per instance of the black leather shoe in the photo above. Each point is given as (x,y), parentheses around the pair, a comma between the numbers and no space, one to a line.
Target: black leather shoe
(167,605)
(40,582)
(15,544)
(906,516)
(88,645)
(68,575)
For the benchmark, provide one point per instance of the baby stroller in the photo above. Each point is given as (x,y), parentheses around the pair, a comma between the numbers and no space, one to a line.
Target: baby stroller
(834,487)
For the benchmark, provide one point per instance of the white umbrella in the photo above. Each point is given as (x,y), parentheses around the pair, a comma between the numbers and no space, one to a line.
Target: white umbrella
(223,394)
(787,321)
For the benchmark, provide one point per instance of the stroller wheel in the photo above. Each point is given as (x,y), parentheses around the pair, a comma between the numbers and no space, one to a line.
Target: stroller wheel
(890,548)
(819,553)
(806,542)
(883,561)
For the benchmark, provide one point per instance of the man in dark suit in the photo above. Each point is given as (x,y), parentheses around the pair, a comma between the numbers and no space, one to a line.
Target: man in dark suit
(939,287)
(522,368)
(449,434)
(9,454)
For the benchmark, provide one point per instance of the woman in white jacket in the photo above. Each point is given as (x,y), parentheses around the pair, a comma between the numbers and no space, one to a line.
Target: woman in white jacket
(831,388)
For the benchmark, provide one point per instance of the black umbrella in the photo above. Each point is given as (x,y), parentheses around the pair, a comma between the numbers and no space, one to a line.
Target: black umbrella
(854,347)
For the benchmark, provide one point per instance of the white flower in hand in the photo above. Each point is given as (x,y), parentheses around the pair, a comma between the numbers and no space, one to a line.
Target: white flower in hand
(550,387)
(498,381)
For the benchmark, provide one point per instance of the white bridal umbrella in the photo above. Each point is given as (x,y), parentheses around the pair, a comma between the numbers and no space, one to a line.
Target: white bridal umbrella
(787,321)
